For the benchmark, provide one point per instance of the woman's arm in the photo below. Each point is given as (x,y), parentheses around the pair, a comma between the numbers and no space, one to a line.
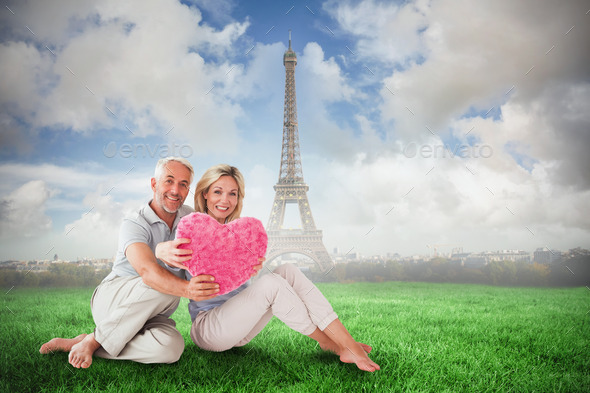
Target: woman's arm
(258,267)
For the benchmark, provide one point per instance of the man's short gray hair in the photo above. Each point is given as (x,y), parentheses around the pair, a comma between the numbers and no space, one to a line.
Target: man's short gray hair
(161,165)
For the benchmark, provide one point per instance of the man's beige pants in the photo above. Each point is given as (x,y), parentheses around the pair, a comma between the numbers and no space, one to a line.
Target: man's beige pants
(133,322)
(285,293)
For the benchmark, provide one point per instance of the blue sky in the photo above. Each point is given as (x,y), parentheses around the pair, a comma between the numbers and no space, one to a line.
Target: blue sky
(91,95)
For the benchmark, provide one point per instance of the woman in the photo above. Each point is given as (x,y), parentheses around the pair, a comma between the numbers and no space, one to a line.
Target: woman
(233,319)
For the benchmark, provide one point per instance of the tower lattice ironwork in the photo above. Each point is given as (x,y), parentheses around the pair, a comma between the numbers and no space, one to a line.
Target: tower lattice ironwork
(291,187)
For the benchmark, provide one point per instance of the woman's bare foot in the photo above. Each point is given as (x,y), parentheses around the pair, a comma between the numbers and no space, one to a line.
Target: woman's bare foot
(356,354)
(366,348)
(337,339)
(60,344)
(81,353)
(331,346)
(349,350)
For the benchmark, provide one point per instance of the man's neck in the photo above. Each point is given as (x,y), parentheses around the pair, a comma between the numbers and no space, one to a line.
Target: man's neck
(168,218)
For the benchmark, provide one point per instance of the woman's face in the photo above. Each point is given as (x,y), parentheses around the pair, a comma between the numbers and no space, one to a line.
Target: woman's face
(222,198)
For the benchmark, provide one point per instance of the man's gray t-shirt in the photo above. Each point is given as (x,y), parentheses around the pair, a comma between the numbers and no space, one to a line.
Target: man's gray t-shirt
(144,227)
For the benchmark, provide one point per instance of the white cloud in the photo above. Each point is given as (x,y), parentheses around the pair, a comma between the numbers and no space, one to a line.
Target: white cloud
(96,231)
(22,212)
(13,139)
(326,77)
(160,66)
(151,77)
(219,10)
(465,56)
(380,27)
(398,204)
(259,197)
(461,60)
(25,77)
(86,204)
(259,78)
(320,84)
(78,180)
(28,19)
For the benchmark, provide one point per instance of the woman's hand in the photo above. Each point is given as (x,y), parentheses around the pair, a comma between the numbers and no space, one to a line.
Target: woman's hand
(202,287)
(258,267)
(172,255)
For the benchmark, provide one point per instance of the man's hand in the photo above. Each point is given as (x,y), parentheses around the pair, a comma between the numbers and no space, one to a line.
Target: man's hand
(172,255)
(202,287)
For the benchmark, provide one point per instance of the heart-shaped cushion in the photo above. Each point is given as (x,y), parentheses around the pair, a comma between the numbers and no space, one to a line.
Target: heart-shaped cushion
(225,251)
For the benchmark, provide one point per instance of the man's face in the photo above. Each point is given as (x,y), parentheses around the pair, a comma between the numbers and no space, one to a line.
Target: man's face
(171,189)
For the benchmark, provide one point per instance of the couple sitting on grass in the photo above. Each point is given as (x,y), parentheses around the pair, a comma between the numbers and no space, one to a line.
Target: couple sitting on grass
(133,304)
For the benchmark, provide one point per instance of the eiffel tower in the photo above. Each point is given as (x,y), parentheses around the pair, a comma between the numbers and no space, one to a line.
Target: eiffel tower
(291,187)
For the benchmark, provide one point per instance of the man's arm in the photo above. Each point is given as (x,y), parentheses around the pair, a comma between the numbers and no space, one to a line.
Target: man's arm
(173,256)
(143,260)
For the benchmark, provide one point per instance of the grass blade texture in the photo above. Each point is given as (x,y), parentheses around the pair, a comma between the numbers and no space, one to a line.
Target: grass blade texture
(426,337)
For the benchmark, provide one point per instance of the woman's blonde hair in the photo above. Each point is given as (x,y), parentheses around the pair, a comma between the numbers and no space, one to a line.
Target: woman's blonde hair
(210,176)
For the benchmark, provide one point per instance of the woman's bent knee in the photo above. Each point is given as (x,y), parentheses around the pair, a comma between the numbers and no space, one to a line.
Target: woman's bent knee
(286,268)
(209,345)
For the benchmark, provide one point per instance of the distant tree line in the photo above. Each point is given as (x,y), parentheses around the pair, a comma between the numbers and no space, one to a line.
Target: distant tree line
(573,271)
(57,275)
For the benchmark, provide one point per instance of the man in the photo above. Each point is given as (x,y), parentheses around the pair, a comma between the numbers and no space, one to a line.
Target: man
(133,304)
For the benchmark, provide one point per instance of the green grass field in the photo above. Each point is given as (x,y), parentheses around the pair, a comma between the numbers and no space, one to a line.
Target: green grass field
(426,337)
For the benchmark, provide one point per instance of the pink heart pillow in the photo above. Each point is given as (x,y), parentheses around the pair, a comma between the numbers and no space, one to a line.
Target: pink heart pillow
(227,252)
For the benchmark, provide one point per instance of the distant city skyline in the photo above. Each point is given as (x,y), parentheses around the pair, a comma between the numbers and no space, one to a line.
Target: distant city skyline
(420,124)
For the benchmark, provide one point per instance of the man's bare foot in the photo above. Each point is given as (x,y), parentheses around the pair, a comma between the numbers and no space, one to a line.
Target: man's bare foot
(60,344)
(81,353)
(357,354)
